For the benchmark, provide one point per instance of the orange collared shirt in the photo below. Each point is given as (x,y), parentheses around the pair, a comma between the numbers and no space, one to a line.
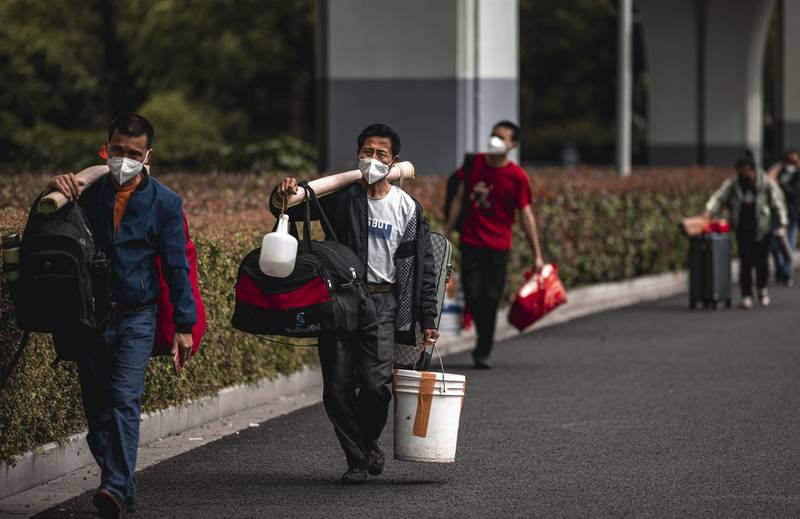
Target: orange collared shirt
(124,194)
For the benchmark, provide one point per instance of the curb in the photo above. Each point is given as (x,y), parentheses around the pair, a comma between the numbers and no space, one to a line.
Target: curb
(582,301)
(53,460)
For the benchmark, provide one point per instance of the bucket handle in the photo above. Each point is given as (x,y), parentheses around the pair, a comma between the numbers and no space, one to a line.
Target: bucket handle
(441,365)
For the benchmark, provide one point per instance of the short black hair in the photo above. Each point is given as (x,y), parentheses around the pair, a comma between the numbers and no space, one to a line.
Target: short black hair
(746,161)
(509,126)
(132,125)
(380,130)
(789,152)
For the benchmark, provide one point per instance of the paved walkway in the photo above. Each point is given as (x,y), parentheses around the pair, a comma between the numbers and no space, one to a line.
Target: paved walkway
(647,411)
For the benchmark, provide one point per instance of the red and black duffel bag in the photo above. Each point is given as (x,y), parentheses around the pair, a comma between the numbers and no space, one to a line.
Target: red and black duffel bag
(323,296)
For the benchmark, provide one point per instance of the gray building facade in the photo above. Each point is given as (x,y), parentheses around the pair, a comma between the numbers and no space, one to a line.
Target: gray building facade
(440,72)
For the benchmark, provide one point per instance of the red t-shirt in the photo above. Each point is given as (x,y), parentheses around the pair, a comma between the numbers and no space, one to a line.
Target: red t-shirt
(495,195)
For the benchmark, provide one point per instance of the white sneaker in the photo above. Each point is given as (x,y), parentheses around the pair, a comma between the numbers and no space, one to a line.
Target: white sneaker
(763,297)
(747,303)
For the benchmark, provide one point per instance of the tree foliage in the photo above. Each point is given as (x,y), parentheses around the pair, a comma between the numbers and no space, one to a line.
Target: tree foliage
(568,67)
(224,75)
(216,74)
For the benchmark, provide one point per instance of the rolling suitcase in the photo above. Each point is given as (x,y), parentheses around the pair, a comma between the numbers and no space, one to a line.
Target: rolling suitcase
(710,270)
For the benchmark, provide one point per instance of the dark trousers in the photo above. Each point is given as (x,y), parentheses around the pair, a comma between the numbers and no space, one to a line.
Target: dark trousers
(752,254)
(784,269)
(112,383)
(483,273)
(355,374)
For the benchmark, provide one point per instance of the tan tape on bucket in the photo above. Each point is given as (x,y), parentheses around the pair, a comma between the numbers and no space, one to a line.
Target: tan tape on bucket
(424,401)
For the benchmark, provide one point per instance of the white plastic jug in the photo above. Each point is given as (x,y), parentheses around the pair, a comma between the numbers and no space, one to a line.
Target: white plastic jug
(278,251)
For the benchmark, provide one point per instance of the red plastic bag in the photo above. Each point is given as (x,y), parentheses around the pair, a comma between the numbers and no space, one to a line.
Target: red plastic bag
(717,226)
(165,325)
(466,319)
(538,296)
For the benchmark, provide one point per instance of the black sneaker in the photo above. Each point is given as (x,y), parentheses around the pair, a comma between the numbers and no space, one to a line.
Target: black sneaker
(376,460)
(108,507)
(354,476)
(482,362)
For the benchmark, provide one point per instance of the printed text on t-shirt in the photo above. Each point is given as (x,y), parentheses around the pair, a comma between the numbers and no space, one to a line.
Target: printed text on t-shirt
(379,228)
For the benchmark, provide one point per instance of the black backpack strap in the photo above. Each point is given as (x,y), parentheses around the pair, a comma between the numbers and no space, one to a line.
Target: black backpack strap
(469,162)
(17,356)
(305,242)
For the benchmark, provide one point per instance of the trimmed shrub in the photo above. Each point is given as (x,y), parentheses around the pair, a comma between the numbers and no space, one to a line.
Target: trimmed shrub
(47,147)
(595,226)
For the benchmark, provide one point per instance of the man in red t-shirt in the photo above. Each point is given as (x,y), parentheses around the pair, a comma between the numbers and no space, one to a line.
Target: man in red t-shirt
(497,190)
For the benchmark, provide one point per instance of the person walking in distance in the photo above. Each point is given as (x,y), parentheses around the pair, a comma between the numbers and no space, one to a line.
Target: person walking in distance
(755,205)
(497,190)
(787,175)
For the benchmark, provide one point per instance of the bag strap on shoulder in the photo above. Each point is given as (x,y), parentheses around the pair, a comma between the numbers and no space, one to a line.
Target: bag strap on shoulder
(469,162)
(311,197)
(15,360)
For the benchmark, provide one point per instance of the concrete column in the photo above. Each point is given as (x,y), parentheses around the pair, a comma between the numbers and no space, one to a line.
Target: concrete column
(671,52)
(791,74)
(439,72)
(735,39)
(624,86)
(496,71)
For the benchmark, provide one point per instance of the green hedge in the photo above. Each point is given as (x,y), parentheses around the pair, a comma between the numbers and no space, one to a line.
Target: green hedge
(597,228)
(42,403)
(600,228)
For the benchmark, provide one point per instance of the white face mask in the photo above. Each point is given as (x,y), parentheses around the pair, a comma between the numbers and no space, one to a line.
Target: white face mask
(123,169)
(497,145)
(373,170)
(790,168)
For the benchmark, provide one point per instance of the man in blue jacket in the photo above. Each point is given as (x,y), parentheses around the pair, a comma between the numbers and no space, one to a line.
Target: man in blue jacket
(134,219)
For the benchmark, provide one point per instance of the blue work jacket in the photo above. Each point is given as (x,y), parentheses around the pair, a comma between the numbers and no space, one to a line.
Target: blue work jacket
(151,226)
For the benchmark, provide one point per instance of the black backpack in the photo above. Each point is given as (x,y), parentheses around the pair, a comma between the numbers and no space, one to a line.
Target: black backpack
(64,283)
(323,296)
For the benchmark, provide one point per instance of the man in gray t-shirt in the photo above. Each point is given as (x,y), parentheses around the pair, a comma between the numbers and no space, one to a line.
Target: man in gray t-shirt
(385,227)
(387,219)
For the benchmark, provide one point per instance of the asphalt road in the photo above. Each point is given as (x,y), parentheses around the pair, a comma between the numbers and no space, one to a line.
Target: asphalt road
(647,411)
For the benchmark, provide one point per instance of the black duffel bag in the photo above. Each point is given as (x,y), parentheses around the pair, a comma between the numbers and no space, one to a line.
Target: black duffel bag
(323,296)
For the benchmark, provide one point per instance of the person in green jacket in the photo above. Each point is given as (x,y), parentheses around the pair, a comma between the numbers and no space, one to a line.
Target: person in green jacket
(757,210)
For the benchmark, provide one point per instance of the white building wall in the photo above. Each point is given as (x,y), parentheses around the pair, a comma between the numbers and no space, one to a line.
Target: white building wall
(439,72)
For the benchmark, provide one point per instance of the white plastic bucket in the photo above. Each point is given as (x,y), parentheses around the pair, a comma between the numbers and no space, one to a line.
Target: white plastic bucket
(426,421)
(452,315)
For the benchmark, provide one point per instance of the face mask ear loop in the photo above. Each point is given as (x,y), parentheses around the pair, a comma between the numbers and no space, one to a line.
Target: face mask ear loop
(402,176)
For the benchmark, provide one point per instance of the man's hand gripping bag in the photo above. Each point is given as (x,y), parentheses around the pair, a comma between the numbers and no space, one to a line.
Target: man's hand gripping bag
(324,295)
